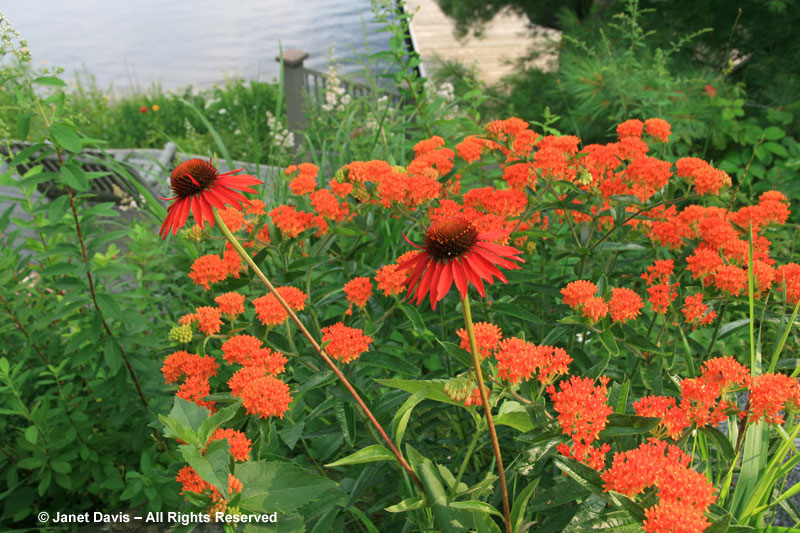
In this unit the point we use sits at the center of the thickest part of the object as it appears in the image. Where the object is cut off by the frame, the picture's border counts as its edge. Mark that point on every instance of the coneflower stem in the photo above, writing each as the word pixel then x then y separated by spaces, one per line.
pixel 249 260
pixel 476 362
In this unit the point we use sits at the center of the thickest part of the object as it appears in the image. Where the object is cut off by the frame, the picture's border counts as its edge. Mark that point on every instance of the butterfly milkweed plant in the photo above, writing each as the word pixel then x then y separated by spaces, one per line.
pixel 514 331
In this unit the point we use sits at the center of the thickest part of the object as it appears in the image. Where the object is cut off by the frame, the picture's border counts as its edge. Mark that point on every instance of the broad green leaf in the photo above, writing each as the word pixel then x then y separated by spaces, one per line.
pixel 214 421
pixel 774 133
pixel 109 307
pixel 65 137
pixel 76 180
pixel 270 486
pixel 515 415
pixel 211 466
pixel 188 413
pixel 372 453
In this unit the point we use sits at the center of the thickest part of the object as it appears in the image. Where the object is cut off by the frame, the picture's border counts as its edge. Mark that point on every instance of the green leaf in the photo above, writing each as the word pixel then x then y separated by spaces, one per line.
pixel 65 137
pixel 520 503
pixel 434 388
pixel 212 466
pixel 514 415
pixel 214 421
pixel 61 467
pixel 516 311
pixel 475 506
pixel 619 247
pixel 188 413
pixel 777 149
pixel 409 504
pixel 32 434
pixel 50 81
pixel 403 415
pixel 109 307
pixel 774 133
pixel 370 454
pixel 346 422
pixel 270 486
pixel 57 208
pixel 23 127
pixel 621 424
pixel 112 354
pixel 721 440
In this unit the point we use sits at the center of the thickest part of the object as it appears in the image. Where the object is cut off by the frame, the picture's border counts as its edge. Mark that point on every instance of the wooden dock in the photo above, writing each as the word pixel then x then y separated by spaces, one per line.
pixel 505 39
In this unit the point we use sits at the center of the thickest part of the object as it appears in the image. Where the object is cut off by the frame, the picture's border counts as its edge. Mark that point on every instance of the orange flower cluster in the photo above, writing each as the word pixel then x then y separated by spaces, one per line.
pixel 209 319
pixel 772 393
pixel 247 350
pixel 580 296
pixel 659 290
pixel 208 269
pixel 305 181
pixel 582 414
pixel 696 312
pixel 327 206
pixel 518 359
pixel 290 221
pixel 262 394
pixel 701 403
pixel 358 291
pixel 684 494
pixel 231 304
pixel 269 310
pixel 188 364
pixel 239 443
pixel 705 178
pixel 232 217
pixel 624 304
pixel 344 344
pixel 390 280
pixel 487 337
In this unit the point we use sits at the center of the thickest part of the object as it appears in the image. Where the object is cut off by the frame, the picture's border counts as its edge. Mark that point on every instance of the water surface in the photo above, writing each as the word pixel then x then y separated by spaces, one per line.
pixel 131 44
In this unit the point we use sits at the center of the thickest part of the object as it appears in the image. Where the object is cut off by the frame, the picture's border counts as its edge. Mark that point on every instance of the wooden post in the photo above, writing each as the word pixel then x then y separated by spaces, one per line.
pixel 294 88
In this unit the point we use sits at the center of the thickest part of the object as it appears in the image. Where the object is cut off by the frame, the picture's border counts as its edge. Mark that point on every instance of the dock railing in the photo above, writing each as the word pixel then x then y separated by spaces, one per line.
pixel 304 90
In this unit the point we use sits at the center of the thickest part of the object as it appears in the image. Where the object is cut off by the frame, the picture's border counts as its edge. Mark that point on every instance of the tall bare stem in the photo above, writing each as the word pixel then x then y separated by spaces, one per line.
pixel 487 409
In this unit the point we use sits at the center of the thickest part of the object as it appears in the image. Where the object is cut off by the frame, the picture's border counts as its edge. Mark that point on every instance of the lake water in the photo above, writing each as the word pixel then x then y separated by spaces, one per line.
pixel 131 44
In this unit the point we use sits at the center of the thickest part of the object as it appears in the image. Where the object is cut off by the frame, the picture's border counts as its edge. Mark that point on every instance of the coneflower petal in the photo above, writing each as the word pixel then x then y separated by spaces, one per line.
pixel 460 277
pixel 501 250
pixel 495 260
pixel 425 284
pixel 473 277
pixel 415 275
pixel 437 273
pixel 445 279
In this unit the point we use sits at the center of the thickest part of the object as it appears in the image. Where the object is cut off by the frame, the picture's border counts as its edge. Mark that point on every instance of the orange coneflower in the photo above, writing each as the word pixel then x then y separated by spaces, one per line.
pixel 198 188
pixel 454 250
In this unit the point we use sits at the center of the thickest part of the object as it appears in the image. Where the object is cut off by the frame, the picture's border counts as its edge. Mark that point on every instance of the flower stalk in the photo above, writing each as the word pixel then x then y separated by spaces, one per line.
pixel 246 257
pixel 487 409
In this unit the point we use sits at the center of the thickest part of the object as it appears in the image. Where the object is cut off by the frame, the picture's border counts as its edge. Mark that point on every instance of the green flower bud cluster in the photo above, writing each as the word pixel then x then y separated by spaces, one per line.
pixel 180 334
